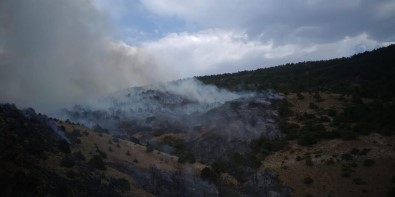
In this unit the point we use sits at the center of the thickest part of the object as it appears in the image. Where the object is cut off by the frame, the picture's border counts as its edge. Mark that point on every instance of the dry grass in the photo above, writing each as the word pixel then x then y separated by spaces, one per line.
pixel 121 151
pixel 327 176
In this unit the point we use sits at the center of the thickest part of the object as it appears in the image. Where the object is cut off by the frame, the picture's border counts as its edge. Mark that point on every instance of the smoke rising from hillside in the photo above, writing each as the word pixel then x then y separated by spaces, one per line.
pixel 57 53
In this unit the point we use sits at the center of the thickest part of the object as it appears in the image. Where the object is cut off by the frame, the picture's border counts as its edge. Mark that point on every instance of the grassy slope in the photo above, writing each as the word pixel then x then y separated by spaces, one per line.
pixel 137 155
pixel 327 176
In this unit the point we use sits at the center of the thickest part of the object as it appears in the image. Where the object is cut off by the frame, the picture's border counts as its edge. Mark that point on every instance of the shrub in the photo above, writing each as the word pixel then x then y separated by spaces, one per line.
pixel 358 181
pixel 309 162
pixel 308 181
pixel 67 162
pixel 346 157
pixel 298 158
pixel 349 135
pixel 332 112
pixel 364 151
pixel 70 174
pixel 102 154
pixel 330 162
pixel 325 119
pixel 149 148
pixel 368 162
pixel 208 174
pixel 100 130
pixel 62 128
pixel 354 151
pixel 63 146
pixel 186 157
pixel 97 162
pixel 218 167
pixel 79 156
pixel 313 106
pixel 300 96
pixel 121 184
pixel 76 133
pixel 77 141
pixel 307 139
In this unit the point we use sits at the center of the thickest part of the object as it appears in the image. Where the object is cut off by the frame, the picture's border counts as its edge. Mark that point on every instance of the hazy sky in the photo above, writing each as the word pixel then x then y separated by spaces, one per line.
pixel 55 53
pixel 213 36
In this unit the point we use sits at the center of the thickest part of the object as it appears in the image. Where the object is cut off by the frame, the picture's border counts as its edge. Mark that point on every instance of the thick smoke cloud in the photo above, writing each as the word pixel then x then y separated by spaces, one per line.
pixel 57 53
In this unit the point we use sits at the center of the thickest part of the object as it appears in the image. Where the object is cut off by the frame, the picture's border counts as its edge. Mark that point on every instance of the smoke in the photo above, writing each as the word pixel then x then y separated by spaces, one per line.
pixel 57 53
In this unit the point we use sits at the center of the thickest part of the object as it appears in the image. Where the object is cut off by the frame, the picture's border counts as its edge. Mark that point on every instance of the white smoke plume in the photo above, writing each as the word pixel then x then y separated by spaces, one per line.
pixel 57 53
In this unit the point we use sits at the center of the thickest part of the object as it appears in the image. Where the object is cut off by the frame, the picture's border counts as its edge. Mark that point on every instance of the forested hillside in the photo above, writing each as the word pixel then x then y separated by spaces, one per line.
pixel 369 74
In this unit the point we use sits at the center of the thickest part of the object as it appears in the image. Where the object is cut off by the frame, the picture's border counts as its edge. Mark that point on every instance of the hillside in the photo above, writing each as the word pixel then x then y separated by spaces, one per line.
pixel 322 128
pixel 369 74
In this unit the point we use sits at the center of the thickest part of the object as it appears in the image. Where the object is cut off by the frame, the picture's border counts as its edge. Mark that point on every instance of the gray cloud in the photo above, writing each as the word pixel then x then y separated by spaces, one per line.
pixel 299 21
pixel 56 53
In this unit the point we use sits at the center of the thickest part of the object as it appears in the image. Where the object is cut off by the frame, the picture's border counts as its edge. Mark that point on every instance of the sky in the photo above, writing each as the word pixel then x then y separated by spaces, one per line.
pixel 200 37
pixel 55 53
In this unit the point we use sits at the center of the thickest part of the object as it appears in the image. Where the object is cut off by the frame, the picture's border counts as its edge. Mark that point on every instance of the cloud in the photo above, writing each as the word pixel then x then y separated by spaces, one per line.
pixel 282 22
pixel 56 53
pixel 217 51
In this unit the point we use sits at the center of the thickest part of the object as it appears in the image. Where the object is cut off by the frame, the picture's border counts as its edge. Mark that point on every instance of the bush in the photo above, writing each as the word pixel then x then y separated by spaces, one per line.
pixel 79 156
pixel 208 174
pixel 67 162
pixel 102 154
pixel 358 181
pixel 298 158
pixel 300 96
pixel 70 174
pixel 218 167
pixel 97 162
pixel 62 128
pixel 325 119
pixel 63 146
pixel 313 106
pixel 100 130
pixel 120 184
pixel 307 139
pixel 364 151
pixel 308 181
pixel 346 157
pixel 349 135
pixel 368 162
pixel 332 112
pixel 309 162
pixel 76 133
pixel 186 157
pixel 354 151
